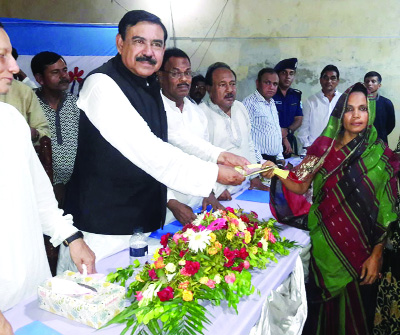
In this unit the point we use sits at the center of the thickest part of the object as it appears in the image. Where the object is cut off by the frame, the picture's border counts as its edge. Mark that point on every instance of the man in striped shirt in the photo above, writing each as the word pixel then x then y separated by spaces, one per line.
pixel 265 128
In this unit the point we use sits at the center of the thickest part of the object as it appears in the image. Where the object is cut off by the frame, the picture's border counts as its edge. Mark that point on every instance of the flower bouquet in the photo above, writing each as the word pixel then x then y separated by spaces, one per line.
pixel 208 260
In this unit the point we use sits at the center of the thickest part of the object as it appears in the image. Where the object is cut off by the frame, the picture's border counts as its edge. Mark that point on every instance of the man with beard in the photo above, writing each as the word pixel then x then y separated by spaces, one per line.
pixel 175 76
pixel 264 119
pixel 319 106
pixel 228 122
pixel 62 113
pixel 124 163
pixel 385 120
pixel 288 104
pixel 198 89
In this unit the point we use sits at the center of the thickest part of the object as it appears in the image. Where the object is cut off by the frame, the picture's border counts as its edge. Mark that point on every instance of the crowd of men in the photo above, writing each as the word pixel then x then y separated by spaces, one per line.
pixel 126 154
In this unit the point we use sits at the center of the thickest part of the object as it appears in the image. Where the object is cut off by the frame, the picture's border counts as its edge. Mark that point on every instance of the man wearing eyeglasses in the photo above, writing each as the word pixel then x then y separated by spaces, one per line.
pixel 124 163
pixel 228 122
pixel 187 126
pixel 318 107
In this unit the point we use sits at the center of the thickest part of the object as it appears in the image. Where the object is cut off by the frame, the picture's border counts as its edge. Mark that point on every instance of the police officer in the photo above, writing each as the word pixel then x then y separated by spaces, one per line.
pixel 288 104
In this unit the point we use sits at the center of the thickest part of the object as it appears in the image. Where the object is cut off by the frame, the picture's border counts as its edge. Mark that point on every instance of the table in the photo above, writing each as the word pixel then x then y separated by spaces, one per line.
pixel 224 320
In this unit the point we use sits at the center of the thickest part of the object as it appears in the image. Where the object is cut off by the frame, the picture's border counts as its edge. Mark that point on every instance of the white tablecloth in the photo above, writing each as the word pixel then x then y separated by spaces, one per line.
pixel 224 320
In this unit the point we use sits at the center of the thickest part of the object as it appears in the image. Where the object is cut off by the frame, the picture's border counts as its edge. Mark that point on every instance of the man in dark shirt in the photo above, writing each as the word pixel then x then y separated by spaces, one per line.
pixel 384 110
pixel 288 104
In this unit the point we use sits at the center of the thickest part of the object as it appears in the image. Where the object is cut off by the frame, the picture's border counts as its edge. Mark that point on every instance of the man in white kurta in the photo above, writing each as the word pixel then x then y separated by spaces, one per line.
pixel 28 208
pixel 318 107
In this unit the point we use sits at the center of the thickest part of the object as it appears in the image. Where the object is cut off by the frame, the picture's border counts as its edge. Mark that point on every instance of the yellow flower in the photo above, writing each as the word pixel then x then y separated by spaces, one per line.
pixel 247 237
pixel 139 279
pixel 231 215
pixel 266 234
pixel 212 251
pixel 187 295
pixel 233 228
pixel 156 255
pixel 229 235
pixel 213 237
pixel 254 250
pixel 203 280
pixel 218 245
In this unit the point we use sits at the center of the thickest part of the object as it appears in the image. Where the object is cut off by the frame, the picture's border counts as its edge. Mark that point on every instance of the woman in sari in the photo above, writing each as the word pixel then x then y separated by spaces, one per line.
pixel 353 179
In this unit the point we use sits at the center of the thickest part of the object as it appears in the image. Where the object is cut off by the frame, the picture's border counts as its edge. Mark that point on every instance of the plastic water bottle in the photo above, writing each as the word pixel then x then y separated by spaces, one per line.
pixel 138 247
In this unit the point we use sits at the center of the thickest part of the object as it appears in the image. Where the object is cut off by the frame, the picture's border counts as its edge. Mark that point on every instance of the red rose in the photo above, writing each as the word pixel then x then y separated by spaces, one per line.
pixel 229 254
pixel 190 226
pixel 259 244
pixel 243 254
pixel 190 268
pixel 164 239
pixel 166 294
pixel 229 263
pixel 251 230
pixel 244 218
pixel 152 274
pixel 238 268
pixel 230 209
pixel 183 253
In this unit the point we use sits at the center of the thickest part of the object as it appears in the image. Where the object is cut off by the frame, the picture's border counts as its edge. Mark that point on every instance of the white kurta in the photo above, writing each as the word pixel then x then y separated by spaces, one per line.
pixel 193 124
pixel 316 112
pixel 232 134
pixel 27 210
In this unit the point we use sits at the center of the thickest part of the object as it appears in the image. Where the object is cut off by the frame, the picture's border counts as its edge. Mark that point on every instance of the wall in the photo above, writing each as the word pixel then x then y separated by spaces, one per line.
pixel 355 35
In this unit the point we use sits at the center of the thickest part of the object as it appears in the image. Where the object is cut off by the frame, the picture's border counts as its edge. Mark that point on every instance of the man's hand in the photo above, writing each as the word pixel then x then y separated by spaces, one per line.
pixel 225 196
pixel 5 327
pixel 82 254
pixel 229 176
pixel 288 147
pixel 270 173
pixel 281 162
pixel 183 213
pixel 212 200
pixel 227 158
pixel 34 134
pixel 256 184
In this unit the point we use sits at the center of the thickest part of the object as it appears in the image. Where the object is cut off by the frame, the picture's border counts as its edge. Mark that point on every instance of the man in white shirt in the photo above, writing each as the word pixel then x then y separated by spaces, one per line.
pixel 175 77
pixel 265 129
pixel 228 122
pixel 124 163
pixel 28 208
pixel 318 107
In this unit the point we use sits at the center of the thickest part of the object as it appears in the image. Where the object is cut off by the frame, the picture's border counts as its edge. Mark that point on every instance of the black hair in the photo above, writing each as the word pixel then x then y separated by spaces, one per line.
pixel 330 67
pixel 41 60
pixel 212 68
pixel 373 74
pixel 359 87
pixel 198 78
pixel 265 70
pixel 133 17
pixel 173 52
pixel 1 25
pixel 14 53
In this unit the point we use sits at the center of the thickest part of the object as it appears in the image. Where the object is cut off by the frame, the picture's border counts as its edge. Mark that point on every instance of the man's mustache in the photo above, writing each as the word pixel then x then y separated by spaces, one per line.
pixel 229 95
pixel 183 84
pixel 64 81
pixel 150 60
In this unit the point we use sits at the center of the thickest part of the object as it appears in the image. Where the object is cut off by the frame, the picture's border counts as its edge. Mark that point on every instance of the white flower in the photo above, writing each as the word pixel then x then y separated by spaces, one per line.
pixel 188 233
pixel 170 277
pixel 170 267
pixel 199 241
pixel 182 262
pixel 242 226
pixel 199 218
pixel 149 293
pixel 264 244
pixel 217 279
pixel 217 214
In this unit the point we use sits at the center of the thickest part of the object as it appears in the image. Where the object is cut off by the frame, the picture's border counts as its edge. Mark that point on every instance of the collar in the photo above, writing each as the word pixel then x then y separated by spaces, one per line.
pixel 260 98
pixel 217 109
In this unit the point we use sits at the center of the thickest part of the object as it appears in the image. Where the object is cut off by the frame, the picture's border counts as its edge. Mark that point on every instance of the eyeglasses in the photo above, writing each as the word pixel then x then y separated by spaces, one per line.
pixel 327 78
pixel 178 74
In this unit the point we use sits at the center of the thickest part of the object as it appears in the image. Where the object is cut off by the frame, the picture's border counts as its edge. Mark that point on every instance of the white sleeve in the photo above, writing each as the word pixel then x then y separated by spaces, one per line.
pixel 120 124
pixel 29 82
pixel 303 133
pixel 180 136
pixel 54 224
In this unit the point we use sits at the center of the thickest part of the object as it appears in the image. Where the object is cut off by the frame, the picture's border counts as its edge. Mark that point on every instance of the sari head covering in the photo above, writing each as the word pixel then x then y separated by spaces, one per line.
pixel 354 192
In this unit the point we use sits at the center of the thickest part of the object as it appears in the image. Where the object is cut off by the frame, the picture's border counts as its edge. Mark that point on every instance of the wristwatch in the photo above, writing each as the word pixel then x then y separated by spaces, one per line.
pixel 72 238
pixel 290 131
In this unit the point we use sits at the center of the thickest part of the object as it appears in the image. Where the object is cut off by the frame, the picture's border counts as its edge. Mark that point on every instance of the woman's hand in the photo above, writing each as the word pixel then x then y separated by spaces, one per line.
pixel 372 266
pixel 270 173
